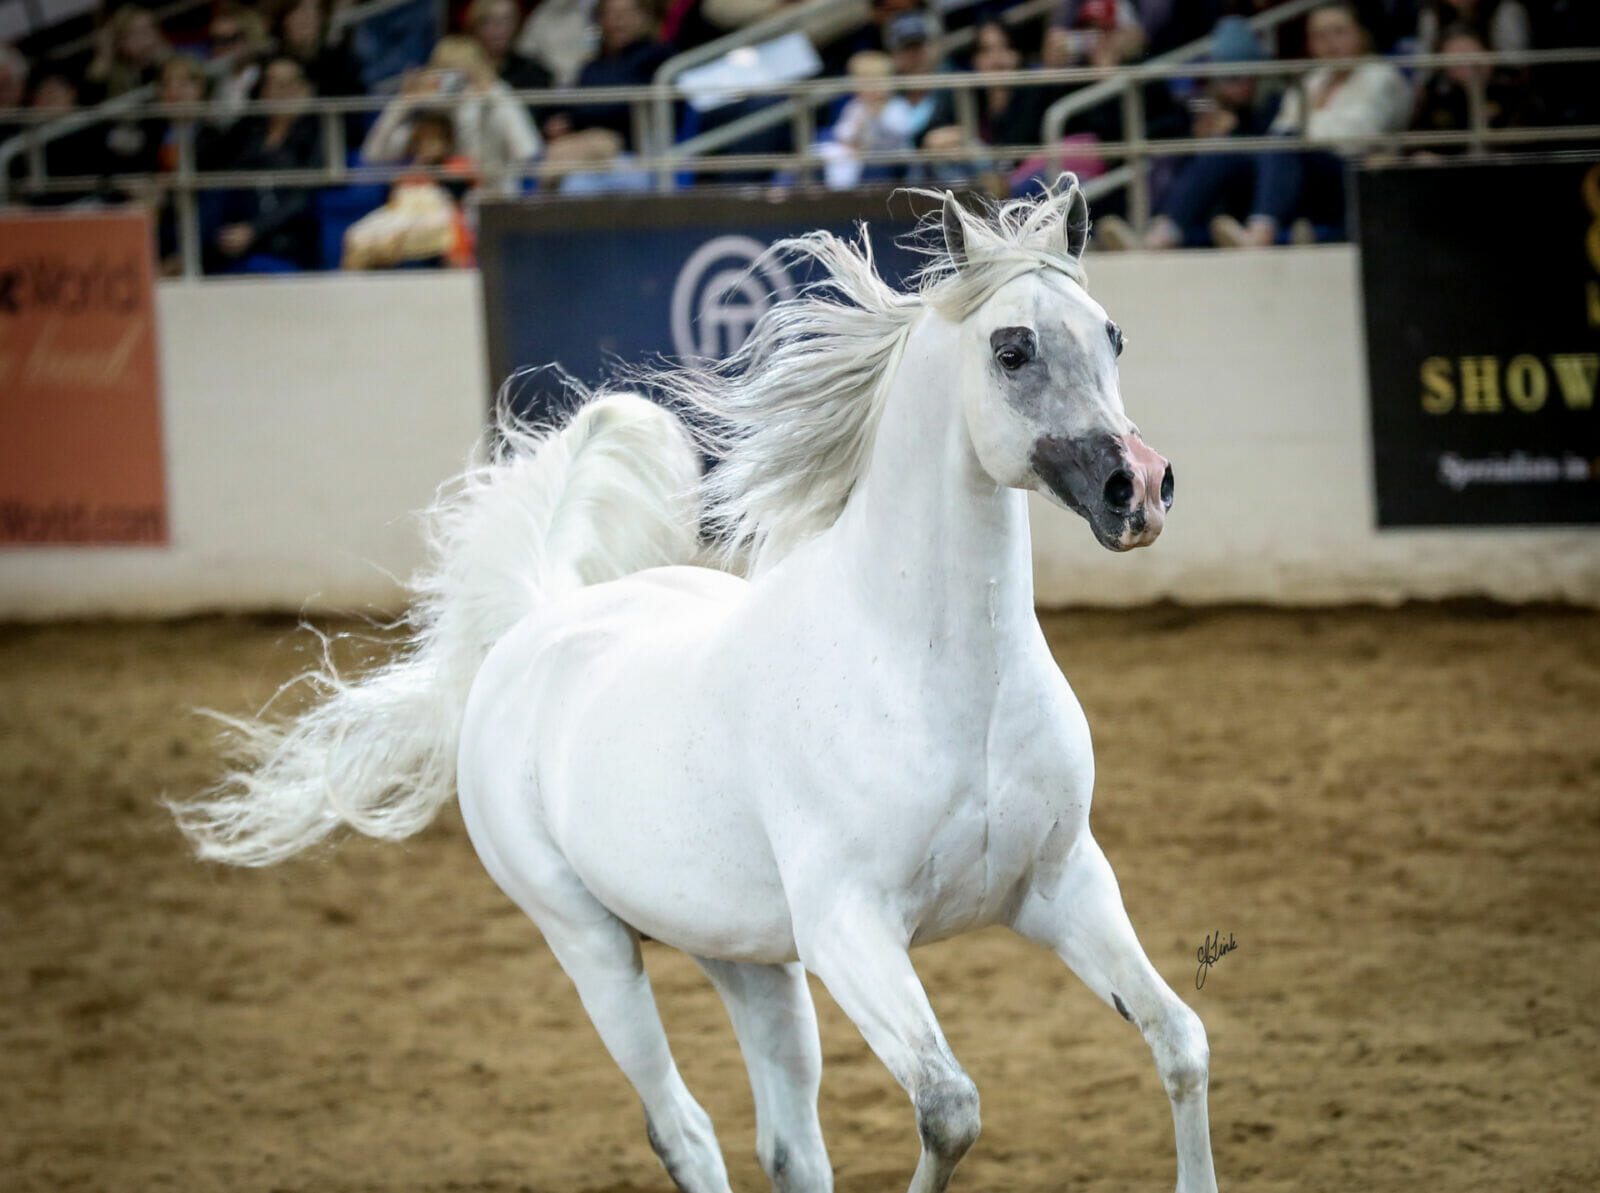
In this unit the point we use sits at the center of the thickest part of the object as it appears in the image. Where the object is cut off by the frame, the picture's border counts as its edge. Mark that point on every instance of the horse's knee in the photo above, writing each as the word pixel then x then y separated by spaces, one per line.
pixel 947 1115
pixel 795 1167
pixel 1182 1054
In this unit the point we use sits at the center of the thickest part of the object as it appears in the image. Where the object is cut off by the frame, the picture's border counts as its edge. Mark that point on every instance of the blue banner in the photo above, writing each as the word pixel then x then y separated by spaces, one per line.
pixel 594 285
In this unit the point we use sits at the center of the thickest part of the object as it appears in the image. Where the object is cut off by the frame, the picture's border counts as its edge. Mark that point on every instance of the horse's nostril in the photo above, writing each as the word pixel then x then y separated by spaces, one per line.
pixel 1166 488
pixel 1119 491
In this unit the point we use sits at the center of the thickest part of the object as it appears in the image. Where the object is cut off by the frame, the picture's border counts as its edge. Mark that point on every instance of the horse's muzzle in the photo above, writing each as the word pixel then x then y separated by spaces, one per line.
pixel 1122 488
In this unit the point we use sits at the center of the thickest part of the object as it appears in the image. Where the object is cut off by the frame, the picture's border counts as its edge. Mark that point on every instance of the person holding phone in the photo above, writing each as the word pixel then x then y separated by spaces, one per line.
pixel 492 130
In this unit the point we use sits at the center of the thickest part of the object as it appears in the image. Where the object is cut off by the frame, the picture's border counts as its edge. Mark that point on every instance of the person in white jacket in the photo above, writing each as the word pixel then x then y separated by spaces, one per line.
pixel 1344 109
pixel 492 129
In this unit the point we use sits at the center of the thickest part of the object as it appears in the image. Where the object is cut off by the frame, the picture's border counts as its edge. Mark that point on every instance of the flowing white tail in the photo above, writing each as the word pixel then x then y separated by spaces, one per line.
pixel 612 492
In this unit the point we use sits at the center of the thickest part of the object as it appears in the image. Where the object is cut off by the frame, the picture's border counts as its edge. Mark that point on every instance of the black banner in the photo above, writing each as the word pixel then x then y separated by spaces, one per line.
pixel 1482 289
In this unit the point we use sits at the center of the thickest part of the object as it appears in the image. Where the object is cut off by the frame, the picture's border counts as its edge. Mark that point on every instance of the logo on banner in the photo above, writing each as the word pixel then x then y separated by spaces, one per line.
pixel 722 289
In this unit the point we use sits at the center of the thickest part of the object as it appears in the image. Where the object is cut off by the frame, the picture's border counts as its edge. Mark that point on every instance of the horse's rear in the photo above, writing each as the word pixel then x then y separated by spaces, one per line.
pixel 595 753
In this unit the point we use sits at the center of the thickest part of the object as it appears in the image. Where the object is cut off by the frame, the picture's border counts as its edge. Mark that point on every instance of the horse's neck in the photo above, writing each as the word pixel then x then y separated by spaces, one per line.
pixel 927 536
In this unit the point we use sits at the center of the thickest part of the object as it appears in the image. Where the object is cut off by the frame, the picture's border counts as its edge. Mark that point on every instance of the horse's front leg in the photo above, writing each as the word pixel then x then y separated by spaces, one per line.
pixel 1078 912
pixel 863 961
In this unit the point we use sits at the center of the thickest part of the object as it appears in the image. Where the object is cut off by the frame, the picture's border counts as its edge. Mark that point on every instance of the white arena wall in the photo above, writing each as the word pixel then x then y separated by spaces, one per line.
pixel 306 417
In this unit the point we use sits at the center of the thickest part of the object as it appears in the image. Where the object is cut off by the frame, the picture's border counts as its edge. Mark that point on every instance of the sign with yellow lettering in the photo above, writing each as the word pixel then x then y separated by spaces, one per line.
pixel 1482 288
pixel 80 400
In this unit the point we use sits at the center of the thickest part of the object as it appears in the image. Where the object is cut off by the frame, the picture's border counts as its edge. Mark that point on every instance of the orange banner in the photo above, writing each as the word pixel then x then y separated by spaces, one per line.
pixel 80 395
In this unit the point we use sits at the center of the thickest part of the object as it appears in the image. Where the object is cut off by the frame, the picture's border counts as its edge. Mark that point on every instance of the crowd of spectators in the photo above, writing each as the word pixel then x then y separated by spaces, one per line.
pixel 458 119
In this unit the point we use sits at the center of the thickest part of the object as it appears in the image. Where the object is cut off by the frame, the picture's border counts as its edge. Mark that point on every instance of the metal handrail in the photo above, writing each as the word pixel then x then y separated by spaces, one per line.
pixel 739 163
pixel 806 16
pixel 835 85
pixel 1068 106
pixel 187 181
pixel 800 109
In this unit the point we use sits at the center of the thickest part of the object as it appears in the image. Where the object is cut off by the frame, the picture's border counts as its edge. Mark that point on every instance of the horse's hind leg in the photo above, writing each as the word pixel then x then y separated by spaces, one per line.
pixel 770 1006
pixel 1079 914
pixel 601 956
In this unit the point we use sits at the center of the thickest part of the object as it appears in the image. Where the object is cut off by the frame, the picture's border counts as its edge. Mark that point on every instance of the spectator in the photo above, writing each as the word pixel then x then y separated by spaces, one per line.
pixel 1093 33
pixel 494 23
pixel 1345 109
pixel 1500 24
pixel 1007 114
pixel 1208 184
pixel 873 121
pixel 13 90
pixel 271 227
pixel 559 35
pixel 422 222
pixel 54 93
pixel 129 51
pixel 492 130
pixel 911 48
pixel 239 43
pixel 183 81
pixel 1445 104
pixel 1106 34
pixel 629 55
pixel 302 31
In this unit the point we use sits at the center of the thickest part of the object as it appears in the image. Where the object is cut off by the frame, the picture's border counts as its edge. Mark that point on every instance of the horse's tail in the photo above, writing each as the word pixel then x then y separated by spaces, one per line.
pixel 613 492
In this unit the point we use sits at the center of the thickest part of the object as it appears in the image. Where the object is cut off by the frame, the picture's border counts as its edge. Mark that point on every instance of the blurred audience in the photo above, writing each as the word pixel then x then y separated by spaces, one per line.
pixel 53 92
pixel 270 226
pixel 422 222
pixel 492 130
pixel 129 51
pixel 873 121
pixel 494 24
pixel 1498 24
pixel 1231 198
pixel 1093 33
pixel 330 65
pixel 1107 34
pixel 1345 110
pixel 912 51
pixel 238 43
pixel 1207 185
pixel 1445 103
pixel 591 135
pixel 13 89
pixel 560 36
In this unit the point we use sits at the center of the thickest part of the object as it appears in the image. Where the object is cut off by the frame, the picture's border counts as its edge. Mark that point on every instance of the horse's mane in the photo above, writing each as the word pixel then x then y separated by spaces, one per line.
pixel 793 413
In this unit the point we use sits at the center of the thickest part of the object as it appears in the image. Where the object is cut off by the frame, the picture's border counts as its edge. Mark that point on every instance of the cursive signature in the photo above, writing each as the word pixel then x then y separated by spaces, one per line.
pixel 1209 953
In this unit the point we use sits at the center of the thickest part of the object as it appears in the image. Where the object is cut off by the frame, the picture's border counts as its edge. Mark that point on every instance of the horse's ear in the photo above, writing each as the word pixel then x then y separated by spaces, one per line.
pixel 1076 223
pixel 955 232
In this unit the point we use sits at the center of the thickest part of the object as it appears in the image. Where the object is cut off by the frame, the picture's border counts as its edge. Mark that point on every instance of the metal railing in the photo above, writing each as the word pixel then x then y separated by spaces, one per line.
pixel 795 111
pixel 1135 175
pixel 1134 152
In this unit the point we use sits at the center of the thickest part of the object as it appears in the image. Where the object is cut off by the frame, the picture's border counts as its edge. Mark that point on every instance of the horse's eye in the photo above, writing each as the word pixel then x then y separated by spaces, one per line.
pixel 1114 334
pixel 1013 347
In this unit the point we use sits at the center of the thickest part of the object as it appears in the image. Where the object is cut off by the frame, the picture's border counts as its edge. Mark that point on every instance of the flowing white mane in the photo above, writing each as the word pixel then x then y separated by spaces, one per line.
pixel 793 413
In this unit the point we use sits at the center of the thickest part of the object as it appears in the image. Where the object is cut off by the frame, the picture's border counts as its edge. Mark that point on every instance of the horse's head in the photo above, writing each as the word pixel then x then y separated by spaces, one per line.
pixel 1039 379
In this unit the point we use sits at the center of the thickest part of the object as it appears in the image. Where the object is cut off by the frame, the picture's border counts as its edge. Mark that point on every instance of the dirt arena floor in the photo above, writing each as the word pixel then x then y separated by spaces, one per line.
pixel 1395 814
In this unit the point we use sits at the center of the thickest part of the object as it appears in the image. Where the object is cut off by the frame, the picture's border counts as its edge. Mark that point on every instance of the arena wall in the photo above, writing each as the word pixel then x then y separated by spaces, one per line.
pixel 306 416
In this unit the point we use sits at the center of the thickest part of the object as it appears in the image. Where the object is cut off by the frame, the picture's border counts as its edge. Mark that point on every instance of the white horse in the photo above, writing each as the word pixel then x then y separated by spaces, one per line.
pixel 860 745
